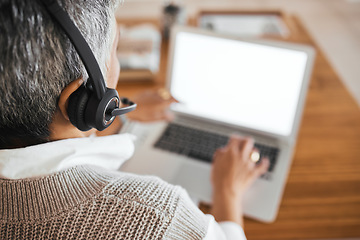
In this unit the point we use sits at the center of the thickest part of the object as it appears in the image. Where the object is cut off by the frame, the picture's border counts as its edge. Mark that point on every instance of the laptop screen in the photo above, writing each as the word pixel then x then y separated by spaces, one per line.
pixel 240 83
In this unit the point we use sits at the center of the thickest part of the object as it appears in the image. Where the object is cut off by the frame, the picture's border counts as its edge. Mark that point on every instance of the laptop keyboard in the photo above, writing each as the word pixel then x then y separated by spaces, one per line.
pixel 201 145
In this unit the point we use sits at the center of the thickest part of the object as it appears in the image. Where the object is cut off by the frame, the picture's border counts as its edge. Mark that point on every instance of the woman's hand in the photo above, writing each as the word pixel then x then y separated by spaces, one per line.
pixel 152 105
pixel 232 174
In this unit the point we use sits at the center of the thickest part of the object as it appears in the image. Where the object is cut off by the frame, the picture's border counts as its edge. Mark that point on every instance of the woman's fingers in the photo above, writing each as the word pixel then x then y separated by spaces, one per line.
pixel 261 168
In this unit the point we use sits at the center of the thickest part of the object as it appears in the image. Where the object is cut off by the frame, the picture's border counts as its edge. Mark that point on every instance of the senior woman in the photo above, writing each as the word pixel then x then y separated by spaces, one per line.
pixel 59 182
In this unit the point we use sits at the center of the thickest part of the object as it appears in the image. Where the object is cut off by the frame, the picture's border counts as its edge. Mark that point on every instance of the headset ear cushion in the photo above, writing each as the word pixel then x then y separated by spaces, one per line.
pixel 76 108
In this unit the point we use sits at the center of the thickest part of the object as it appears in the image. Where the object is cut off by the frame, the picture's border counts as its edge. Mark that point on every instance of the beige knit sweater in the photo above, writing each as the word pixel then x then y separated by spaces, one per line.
pixel 87 203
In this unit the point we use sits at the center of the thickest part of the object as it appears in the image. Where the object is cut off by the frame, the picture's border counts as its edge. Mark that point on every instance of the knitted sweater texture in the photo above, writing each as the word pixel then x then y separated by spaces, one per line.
pixel 84 202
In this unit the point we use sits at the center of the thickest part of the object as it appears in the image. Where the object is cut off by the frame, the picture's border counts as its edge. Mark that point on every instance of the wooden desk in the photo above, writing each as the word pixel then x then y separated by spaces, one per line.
pixel 322 194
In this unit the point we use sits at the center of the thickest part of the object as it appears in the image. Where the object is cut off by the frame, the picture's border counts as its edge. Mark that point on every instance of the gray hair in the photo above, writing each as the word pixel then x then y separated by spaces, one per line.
pixel 37 61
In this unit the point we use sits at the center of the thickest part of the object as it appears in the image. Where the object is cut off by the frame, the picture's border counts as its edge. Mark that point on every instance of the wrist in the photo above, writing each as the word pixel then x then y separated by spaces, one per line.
pixel 227 195
pixel 227 205
pixel 231 210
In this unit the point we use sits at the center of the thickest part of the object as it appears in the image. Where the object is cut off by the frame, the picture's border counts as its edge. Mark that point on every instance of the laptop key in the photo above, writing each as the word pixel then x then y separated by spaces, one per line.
pixel 201 145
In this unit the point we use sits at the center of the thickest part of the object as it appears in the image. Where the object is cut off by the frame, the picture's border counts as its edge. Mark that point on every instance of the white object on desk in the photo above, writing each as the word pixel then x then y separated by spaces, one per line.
pixel 139 50
pixel 245 24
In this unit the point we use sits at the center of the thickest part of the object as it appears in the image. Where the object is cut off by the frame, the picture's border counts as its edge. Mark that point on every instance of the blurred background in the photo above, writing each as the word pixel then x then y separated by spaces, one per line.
pixel 321 199
pixel 333 24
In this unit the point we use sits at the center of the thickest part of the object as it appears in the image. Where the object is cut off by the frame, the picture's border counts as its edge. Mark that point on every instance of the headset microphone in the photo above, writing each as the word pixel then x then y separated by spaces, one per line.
pixel 121 111
pixel 92 105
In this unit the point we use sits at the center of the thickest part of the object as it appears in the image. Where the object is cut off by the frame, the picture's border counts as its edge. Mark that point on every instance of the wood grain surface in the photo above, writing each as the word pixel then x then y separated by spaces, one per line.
pixel 322 194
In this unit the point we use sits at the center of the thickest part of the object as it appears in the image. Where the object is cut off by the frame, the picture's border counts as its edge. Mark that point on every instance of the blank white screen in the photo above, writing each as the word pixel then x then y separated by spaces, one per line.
pixel 240 83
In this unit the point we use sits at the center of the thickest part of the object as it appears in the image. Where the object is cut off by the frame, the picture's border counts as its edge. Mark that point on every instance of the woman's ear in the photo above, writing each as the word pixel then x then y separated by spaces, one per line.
pixel 65 95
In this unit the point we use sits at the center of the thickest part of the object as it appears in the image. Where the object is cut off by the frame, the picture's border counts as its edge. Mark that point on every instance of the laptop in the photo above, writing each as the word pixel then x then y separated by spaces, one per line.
pixel 226 85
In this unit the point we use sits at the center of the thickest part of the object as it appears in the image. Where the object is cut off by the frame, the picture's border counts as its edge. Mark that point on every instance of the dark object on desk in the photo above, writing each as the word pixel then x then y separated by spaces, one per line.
pixel 173 14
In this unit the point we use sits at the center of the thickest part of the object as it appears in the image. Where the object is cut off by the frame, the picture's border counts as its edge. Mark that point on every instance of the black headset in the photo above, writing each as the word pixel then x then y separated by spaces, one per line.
pixel 92 105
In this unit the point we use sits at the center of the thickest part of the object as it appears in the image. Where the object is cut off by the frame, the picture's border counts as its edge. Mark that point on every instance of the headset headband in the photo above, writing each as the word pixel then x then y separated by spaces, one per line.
pixel 93 105
pixel 92 67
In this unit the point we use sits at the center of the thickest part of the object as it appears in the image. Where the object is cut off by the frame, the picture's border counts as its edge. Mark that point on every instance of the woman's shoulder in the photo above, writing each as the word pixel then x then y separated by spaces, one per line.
pixel 169 203
pixel 148 190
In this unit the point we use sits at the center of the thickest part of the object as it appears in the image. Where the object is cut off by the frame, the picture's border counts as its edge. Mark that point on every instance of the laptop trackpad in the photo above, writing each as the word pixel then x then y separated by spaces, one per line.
pixel 196 179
